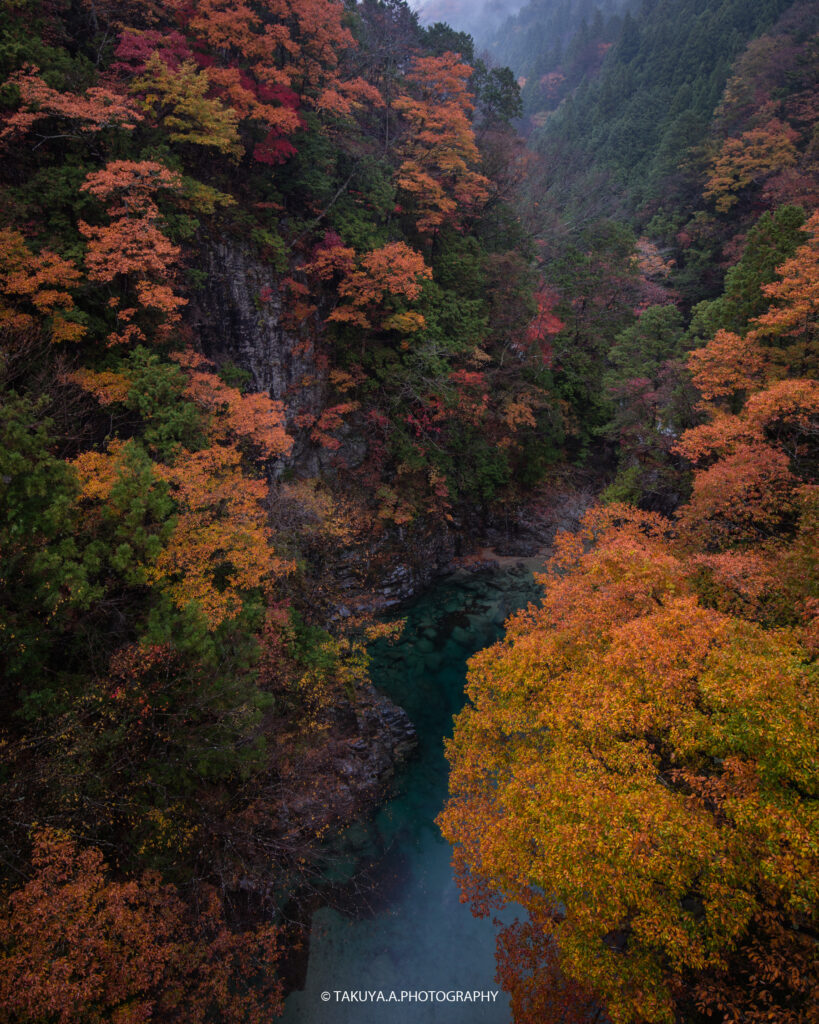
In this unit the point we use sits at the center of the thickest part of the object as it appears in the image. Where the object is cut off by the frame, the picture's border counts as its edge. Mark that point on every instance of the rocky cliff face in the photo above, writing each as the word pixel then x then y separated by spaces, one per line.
pixel 365 742
pixel 308 833
pixel 388 569
pixel 237 316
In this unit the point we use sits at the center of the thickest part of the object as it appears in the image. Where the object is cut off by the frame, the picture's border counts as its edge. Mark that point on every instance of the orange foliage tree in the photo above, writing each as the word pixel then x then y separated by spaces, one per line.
pixel 97 109
pixel 439 154
pixel 370 285
pixel 790 328
pixel 748 496
pixel 35 290
pixel 266 53
pixel 752 156
pixel 220 545
pixel 627 772
pixel 132 249
pixel 254 418
pixel 726 368
pixel 79 948
pixel 759 441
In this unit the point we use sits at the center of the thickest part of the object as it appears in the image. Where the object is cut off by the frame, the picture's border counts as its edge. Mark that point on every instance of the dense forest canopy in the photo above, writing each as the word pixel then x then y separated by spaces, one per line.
pixel 664 71
pixel 638 766
pixel 170 674
pixel 453 319
pixel 545 38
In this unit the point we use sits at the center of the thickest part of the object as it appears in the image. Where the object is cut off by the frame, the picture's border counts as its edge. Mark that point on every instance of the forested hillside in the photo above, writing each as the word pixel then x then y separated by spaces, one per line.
pixel 655 94
pixel 251 263
pixel 639 764
pixel 554 46
pixel 287 304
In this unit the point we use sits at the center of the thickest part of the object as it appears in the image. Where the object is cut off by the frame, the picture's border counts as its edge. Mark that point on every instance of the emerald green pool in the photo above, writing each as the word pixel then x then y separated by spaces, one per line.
pixel 403 928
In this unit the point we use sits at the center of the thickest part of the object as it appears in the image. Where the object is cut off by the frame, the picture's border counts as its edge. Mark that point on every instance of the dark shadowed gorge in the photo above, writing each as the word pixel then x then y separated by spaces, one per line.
pixel 359 374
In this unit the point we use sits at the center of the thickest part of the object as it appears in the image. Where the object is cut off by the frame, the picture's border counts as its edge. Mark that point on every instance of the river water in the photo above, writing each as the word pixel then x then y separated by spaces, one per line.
pixel 402 927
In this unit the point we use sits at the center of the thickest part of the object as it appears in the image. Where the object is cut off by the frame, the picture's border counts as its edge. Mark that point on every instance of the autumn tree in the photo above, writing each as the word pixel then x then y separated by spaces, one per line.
pixel 132 249
pixel 177 99
pixel 726 369
pixel 439 155
pixel 287 48
pixel 759 436
pixel 95 110
pixel 626 772
pixel 789 327
pixel 219 546
pixel 36 290
pixel 765 120
pixel 749 158
pixel 79 947
pixel 235 416
pixel 370 286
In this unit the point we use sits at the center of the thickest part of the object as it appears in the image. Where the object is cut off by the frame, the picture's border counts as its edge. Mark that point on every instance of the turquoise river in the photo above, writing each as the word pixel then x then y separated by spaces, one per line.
pixel 409 931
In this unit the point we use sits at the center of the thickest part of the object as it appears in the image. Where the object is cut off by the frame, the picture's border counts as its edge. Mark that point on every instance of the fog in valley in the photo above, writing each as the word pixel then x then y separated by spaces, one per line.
pixel 478 18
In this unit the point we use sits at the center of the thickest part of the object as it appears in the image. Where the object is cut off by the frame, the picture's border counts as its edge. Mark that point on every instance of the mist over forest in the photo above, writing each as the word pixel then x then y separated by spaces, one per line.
pixel 481 20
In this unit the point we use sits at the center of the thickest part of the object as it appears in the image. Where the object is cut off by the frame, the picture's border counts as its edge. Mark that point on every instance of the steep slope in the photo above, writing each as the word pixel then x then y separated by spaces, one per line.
pixel 652 101
pixel 251 336
pixel 638 766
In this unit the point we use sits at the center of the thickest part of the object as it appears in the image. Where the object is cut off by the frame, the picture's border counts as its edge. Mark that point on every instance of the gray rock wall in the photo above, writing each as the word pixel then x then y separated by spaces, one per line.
pixel 237 316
